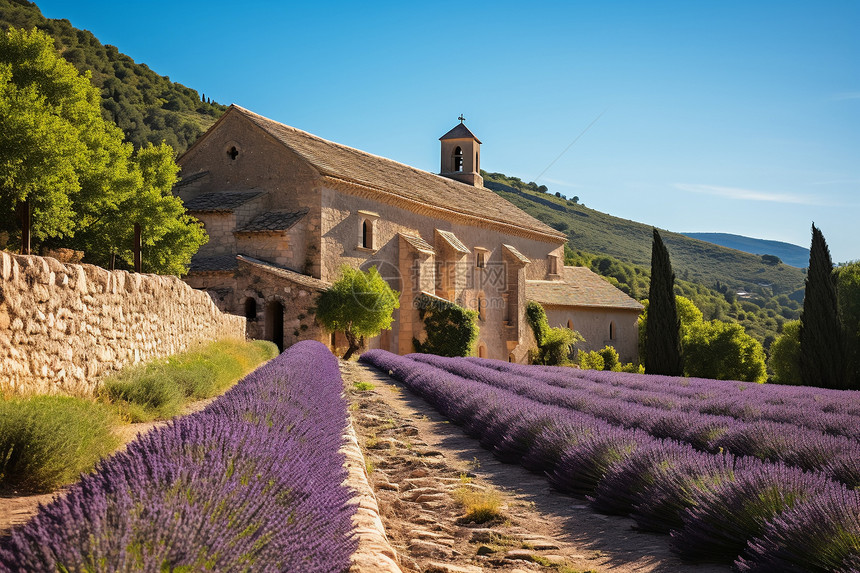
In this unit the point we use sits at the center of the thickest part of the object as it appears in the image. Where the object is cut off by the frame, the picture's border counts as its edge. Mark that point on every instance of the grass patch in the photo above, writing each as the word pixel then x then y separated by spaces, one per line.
pixel 560 567
pixel 480 506
pixel 48 441
pixel 158 390
pixel 363 386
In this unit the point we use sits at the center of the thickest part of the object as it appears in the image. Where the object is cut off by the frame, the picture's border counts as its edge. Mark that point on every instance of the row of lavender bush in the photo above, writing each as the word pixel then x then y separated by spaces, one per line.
pixel 829 411
pixel 718 507
pixel 837 456
pixel 251 483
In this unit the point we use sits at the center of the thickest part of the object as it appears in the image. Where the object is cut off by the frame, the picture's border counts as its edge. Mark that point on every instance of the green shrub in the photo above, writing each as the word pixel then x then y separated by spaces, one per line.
pixel 610 358
pixel 554 345
pixel 451 329
pixel 149 389
pixel 47 441
pixel 590 360
pixel 158 389
pixel 606 359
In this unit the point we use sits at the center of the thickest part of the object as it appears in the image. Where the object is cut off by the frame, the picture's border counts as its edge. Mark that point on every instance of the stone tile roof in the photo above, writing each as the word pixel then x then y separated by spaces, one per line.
pixel 460 131
pixel 190 179
pixel 292 276
pixel 273 221
pixel 224 201
pixel 580 287
pixel 418 243
pixel 453 241
pixel 517 255
pixel 214 263
pixel 389 177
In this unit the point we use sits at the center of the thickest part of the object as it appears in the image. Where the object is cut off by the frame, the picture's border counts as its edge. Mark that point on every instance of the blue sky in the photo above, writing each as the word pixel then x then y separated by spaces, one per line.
pixel 724 116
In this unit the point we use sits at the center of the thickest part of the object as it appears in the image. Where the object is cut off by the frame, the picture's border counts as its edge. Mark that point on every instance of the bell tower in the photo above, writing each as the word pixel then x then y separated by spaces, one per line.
pixel 461 155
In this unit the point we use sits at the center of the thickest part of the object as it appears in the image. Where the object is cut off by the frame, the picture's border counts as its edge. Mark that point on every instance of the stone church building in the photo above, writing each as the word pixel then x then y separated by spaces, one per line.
pixel 285 209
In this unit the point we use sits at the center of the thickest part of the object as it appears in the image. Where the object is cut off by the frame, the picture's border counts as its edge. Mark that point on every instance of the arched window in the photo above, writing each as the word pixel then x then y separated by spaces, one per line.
pixel 458 159
pixel 511 357
pixel 611 331
pixel 251 308
pixel 366 234
pixel 477 166
pixel 482 307
pixel 482 350
pixel 570 324
pixel 367 229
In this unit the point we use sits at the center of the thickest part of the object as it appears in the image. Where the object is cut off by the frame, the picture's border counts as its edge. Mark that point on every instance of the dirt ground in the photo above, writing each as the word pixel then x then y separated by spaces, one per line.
pixel 418 460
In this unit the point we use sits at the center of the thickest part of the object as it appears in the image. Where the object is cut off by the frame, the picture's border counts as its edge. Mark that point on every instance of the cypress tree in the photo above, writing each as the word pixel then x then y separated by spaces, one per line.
pixel 822 345
pixel 663 329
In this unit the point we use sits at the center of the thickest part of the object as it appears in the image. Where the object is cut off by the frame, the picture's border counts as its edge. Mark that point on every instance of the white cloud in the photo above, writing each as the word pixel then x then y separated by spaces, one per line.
pixel 748 194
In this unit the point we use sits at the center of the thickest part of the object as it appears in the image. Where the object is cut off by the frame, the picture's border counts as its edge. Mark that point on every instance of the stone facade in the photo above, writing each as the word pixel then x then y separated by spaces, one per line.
pixel 601 327
pixel 340 206
pixel 63 327
pixel 278 304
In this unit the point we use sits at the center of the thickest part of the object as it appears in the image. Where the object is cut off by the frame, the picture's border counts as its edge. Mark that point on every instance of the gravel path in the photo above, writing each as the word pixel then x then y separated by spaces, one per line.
pixel 418 459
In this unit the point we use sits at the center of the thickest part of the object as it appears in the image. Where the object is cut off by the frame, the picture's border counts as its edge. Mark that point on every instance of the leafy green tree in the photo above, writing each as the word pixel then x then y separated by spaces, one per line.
pixel 146 106
pixel 848 292
pixel 451 329
pixel 784 358
pixel 822 344
pixel 169 235
pixel 69 170
pixel 359 304
pixel 688 313
pixel 52 135
pixel 723 351
pixel 662 335
pixel 554 345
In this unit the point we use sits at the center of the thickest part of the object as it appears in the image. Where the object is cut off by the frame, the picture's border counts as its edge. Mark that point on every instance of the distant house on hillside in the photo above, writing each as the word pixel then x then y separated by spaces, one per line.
pixel 284 210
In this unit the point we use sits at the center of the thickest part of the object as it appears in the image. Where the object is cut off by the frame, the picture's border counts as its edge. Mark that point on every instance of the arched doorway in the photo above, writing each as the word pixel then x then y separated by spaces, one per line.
pixel 275 323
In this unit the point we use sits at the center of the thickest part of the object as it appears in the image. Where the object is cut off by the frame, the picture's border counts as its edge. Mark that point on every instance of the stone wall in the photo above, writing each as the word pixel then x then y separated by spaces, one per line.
pixel 63 327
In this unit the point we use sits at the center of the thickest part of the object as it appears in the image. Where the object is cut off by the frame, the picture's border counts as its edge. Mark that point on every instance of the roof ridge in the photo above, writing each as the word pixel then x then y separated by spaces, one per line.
pixel 347 147
pixel 375 172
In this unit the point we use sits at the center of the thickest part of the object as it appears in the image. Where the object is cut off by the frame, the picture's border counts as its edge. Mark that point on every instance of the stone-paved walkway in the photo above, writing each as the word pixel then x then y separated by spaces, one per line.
pixel 418 460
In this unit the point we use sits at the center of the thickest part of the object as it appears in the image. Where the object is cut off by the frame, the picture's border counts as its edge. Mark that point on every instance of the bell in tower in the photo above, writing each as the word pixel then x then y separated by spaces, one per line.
pixel 461 155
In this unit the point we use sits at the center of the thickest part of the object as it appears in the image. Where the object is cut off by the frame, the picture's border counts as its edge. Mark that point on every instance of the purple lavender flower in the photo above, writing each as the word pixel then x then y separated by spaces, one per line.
pixel 253 482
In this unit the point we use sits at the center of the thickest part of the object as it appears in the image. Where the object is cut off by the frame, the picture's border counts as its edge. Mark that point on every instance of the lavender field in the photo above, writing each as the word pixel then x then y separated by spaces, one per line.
pixel 251 483
pixel 765 477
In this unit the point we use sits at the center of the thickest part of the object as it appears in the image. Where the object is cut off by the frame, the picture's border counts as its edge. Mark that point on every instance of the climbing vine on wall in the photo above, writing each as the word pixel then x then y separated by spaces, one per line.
pixel 554 345
pixel 451 329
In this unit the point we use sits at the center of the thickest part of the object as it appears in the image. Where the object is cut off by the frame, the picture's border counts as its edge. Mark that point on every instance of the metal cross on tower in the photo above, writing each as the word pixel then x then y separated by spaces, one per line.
pixel 461 118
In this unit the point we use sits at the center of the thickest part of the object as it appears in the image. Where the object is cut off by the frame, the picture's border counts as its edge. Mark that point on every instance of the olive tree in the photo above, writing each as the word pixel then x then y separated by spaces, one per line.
pixel 359 304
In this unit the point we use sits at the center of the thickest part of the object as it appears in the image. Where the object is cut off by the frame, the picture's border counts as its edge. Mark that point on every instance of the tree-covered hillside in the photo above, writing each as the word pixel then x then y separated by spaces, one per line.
pixel 146 106
pixel 789 254
pixel 709 275
pixel 693 260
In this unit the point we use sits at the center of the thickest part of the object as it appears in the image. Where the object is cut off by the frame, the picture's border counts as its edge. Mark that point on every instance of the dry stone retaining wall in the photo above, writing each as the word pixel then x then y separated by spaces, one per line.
pixel 62 327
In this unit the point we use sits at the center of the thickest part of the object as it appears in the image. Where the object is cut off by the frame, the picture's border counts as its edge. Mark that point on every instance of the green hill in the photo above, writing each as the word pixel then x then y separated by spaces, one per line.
pixel 692 259
pixel 789 254
pixel 724 283
pixel 146 106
